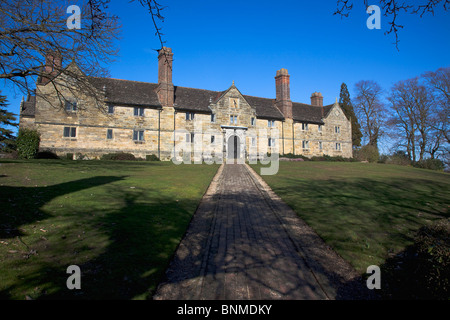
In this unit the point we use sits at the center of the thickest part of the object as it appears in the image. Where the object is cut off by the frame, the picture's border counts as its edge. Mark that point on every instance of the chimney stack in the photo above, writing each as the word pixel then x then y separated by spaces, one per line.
pixel 165 88
pixel 283 93
pixel 317 99
pixel 53 65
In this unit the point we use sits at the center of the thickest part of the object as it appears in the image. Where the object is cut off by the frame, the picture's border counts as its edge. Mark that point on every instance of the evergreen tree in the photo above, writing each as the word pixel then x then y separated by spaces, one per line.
pixel 7 140
pixel 347 107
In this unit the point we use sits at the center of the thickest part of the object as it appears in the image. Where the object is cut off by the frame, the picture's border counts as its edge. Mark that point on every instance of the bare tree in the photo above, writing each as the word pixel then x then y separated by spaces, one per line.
pixel 413 108
pixel 33 32
pixel 438 82
pixel 392 9
pixel 369 109
pixel 37 45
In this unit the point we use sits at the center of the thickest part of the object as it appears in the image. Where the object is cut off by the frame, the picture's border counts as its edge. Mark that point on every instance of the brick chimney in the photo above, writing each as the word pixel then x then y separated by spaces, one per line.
pixel 165 88
pixel 317 99
pixel 53 65
pixel 283 93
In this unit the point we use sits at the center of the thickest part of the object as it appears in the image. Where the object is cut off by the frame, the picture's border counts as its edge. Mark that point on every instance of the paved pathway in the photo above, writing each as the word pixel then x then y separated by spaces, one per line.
pixel 245 243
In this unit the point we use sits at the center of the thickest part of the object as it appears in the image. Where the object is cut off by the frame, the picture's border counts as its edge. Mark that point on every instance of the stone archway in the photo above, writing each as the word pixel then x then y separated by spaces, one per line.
pixel 234 146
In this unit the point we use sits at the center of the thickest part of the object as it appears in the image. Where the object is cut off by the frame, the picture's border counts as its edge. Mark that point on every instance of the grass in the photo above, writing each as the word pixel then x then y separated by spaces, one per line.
pixel 366 212
pixel 119 221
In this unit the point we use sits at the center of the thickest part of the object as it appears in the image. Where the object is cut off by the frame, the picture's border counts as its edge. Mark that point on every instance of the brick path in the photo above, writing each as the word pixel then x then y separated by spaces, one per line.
pixel 245 243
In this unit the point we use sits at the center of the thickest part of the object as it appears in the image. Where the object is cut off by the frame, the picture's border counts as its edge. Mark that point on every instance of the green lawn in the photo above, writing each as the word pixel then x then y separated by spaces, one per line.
pixel 119 221
pixel 366 212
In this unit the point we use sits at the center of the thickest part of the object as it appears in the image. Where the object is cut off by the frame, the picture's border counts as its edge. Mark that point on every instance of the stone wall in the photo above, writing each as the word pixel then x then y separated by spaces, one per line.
pixel 166 130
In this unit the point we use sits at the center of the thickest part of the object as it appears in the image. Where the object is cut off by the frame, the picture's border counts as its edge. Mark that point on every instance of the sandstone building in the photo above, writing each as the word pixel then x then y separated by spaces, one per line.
pixel 172 121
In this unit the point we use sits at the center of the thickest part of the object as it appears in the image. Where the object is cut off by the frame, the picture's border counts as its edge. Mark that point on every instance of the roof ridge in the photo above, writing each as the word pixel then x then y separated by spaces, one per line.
pixel 124 80
pixel 215 91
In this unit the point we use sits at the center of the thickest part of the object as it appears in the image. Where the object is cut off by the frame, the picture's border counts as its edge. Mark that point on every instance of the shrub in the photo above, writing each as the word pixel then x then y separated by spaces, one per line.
pixel 432 244
pixel 384 158
pixel 367 153
pixel 400 158
pixel 432 164
pixel 292 156
pixel 422 270
pixel 151 157
pixel 69 156
pixel 46 155
pixel 118 156
pixel 28 143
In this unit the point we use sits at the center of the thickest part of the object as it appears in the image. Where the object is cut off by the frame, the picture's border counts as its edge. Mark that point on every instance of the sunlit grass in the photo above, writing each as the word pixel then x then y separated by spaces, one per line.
pixel 119 221
pixel 366 212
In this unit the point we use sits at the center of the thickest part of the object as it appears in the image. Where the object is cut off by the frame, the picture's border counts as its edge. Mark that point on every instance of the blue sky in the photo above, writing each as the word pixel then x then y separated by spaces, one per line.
pixel 216 42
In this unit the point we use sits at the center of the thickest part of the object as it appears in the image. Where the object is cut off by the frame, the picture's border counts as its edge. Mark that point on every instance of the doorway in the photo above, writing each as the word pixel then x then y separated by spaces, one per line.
pixel 234 147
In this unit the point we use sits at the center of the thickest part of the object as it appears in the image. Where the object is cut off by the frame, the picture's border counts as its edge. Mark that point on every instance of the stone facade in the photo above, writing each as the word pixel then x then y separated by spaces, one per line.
pixel 170 121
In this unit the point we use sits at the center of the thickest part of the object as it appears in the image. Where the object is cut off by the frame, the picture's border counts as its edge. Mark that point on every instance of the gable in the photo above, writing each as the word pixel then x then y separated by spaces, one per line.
pixel 232 103
pixel 336 113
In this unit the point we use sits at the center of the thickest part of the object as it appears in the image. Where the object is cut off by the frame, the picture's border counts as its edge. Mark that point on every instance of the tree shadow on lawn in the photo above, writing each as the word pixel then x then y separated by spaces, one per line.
pixel 387 202
pixel 141 236
pixel 20 205
pixel 144 232
pixel 361 214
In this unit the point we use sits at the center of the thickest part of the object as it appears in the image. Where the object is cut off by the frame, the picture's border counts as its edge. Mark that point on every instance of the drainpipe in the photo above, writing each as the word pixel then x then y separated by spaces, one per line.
pixel 174 129
pixel 293 137
pixel 159 134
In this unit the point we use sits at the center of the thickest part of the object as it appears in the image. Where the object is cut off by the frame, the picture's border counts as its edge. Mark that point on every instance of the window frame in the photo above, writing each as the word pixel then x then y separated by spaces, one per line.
pixel 111 109
pixel 305 144
pixel 108 136
pixel 140 111
pixel 71 105
pixel 137 135
pixel 71 132
pixel 271 142
pixel 190 116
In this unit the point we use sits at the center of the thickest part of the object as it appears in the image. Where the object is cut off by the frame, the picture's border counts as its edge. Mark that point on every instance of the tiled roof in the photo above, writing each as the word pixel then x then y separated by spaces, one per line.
pixel 265 108
pixel 129 92
pixel 29 107
pixel 194 99
pixel 307 113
